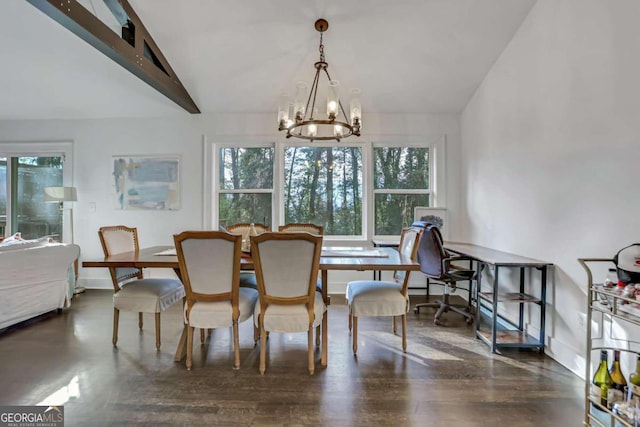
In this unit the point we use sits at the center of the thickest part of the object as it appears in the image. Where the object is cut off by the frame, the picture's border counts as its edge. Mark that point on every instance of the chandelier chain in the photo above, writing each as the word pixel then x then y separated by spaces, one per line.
pixel 321 49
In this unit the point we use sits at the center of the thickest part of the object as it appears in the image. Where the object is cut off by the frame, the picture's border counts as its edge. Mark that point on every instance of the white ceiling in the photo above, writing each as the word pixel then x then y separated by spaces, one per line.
pixel 407 56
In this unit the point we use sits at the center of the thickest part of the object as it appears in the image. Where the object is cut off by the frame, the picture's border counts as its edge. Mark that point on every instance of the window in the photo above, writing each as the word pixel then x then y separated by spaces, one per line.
pixel 400 183
pixel 353 189
pixel 245 185
pixel 323 186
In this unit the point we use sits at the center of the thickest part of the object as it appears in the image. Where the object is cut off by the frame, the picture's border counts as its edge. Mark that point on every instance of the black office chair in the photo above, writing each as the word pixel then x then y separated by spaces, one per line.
pixel 436 263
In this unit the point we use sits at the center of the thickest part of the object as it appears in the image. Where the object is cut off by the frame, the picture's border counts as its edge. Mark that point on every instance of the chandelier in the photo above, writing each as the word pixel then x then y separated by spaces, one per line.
pixel 301 118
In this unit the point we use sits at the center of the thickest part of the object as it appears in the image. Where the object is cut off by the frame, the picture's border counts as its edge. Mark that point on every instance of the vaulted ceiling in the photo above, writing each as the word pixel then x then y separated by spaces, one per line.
pixel 407 56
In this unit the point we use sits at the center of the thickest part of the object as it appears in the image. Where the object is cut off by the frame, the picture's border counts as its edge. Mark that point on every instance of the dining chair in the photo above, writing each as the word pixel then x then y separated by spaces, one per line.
pixel 132 292
pixel 367 298
pixel 294 227
pixel 247 278
pixel 286 266
pixel 242 228
pixel 210 268
pixel 438 264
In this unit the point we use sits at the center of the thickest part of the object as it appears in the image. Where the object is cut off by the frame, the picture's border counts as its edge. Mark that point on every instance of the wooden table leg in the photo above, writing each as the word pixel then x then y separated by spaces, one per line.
pixel 325 292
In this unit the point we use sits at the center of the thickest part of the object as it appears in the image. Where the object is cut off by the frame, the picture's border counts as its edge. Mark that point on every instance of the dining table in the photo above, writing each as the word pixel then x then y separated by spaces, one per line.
pixel 333 258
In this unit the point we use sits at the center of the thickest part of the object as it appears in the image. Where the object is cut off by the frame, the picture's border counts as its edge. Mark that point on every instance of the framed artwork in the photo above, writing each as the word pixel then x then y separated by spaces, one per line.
pixel 436 216
pixel 147 182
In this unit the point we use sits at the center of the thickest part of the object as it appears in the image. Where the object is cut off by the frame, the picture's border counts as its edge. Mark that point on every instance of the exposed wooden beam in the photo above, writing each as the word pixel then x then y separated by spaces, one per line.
pixel 139 53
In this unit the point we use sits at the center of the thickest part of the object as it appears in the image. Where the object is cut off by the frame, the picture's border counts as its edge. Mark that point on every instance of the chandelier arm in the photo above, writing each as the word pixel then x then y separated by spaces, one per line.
pixel 320 137
pixel 312 93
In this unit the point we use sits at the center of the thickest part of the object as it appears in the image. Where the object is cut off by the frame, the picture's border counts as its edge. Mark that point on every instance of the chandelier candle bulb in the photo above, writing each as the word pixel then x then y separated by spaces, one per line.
pixel 289 122
pixel 332 99
pixel 283 110
pixel 356 108
pixel 299 102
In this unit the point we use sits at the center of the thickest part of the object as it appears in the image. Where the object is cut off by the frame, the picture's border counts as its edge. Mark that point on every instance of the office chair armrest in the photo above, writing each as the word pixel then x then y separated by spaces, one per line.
pixel 446 262
pixel 456 273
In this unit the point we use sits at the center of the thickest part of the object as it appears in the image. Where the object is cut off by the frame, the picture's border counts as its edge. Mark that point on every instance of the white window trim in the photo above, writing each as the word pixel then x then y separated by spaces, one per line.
pixel 211 181
pixel 437 182
pixel 364 146
pixel 437 179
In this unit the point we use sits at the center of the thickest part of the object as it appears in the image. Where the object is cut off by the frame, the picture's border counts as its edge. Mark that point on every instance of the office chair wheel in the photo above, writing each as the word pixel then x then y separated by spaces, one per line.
pixel 469 321
pixel 416 310
pixel 437 322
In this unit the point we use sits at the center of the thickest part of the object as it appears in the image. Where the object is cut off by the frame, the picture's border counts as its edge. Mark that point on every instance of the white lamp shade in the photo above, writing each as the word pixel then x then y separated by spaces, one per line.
pixel 60 194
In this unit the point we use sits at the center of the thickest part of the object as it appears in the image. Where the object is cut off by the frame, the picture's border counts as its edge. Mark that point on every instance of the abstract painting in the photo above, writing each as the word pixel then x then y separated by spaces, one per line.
pixel 147 182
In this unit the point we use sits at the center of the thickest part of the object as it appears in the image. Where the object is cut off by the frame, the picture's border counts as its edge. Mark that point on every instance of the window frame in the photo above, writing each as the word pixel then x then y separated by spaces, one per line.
pixel 215 181
pixel 280 152
pixel 428 191
pixel 437 178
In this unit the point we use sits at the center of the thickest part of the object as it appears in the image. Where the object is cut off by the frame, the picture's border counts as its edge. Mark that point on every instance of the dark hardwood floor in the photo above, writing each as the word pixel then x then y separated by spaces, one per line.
pixel 446 378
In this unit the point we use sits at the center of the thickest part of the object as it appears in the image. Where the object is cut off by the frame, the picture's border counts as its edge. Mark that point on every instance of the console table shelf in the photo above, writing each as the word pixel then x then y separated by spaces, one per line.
pixel 510 297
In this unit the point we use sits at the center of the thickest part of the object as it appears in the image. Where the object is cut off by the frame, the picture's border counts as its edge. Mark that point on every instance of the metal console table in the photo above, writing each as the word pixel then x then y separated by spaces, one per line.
pixel 515 335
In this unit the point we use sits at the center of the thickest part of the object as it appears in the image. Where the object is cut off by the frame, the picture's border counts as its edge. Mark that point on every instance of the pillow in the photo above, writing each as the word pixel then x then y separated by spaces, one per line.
pixel 15 238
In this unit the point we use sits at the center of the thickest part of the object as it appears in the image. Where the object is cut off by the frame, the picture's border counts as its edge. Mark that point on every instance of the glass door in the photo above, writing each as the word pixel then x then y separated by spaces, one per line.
pixel 22 205
pixel 32 216
pixel 26 168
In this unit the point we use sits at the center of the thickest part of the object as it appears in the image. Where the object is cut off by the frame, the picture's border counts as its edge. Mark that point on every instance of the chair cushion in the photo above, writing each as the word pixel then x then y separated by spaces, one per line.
pixel 291 318
pixel 151 295
pixel 218 314
pixel 248 280
pixel 376 298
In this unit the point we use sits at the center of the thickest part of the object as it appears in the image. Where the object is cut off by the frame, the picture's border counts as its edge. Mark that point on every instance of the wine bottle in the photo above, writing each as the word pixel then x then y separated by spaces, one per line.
pixel 616 393
pixel 634 387
pixel 602 381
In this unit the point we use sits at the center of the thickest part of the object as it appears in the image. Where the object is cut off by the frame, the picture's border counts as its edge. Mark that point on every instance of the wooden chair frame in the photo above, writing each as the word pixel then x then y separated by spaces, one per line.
pixel 193 297
pixel 116 279
pixel 308 299
pixel 398 277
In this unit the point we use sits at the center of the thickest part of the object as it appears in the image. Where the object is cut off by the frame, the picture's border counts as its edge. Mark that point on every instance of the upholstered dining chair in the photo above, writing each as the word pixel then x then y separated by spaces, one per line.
pixel 210 268
pixel 132 292
pixel 437 263
pixel 294 227
pixel 247 278
pixel 286 266
pixel 242 228
pixel 378 298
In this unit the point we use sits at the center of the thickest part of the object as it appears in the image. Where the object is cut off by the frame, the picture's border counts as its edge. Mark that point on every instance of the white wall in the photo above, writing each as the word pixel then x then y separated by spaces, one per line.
pixel 96 141
pixel 551 151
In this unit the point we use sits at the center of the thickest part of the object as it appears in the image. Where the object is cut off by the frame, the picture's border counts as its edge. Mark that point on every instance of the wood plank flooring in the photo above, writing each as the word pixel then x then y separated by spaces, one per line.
pixel 446 378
